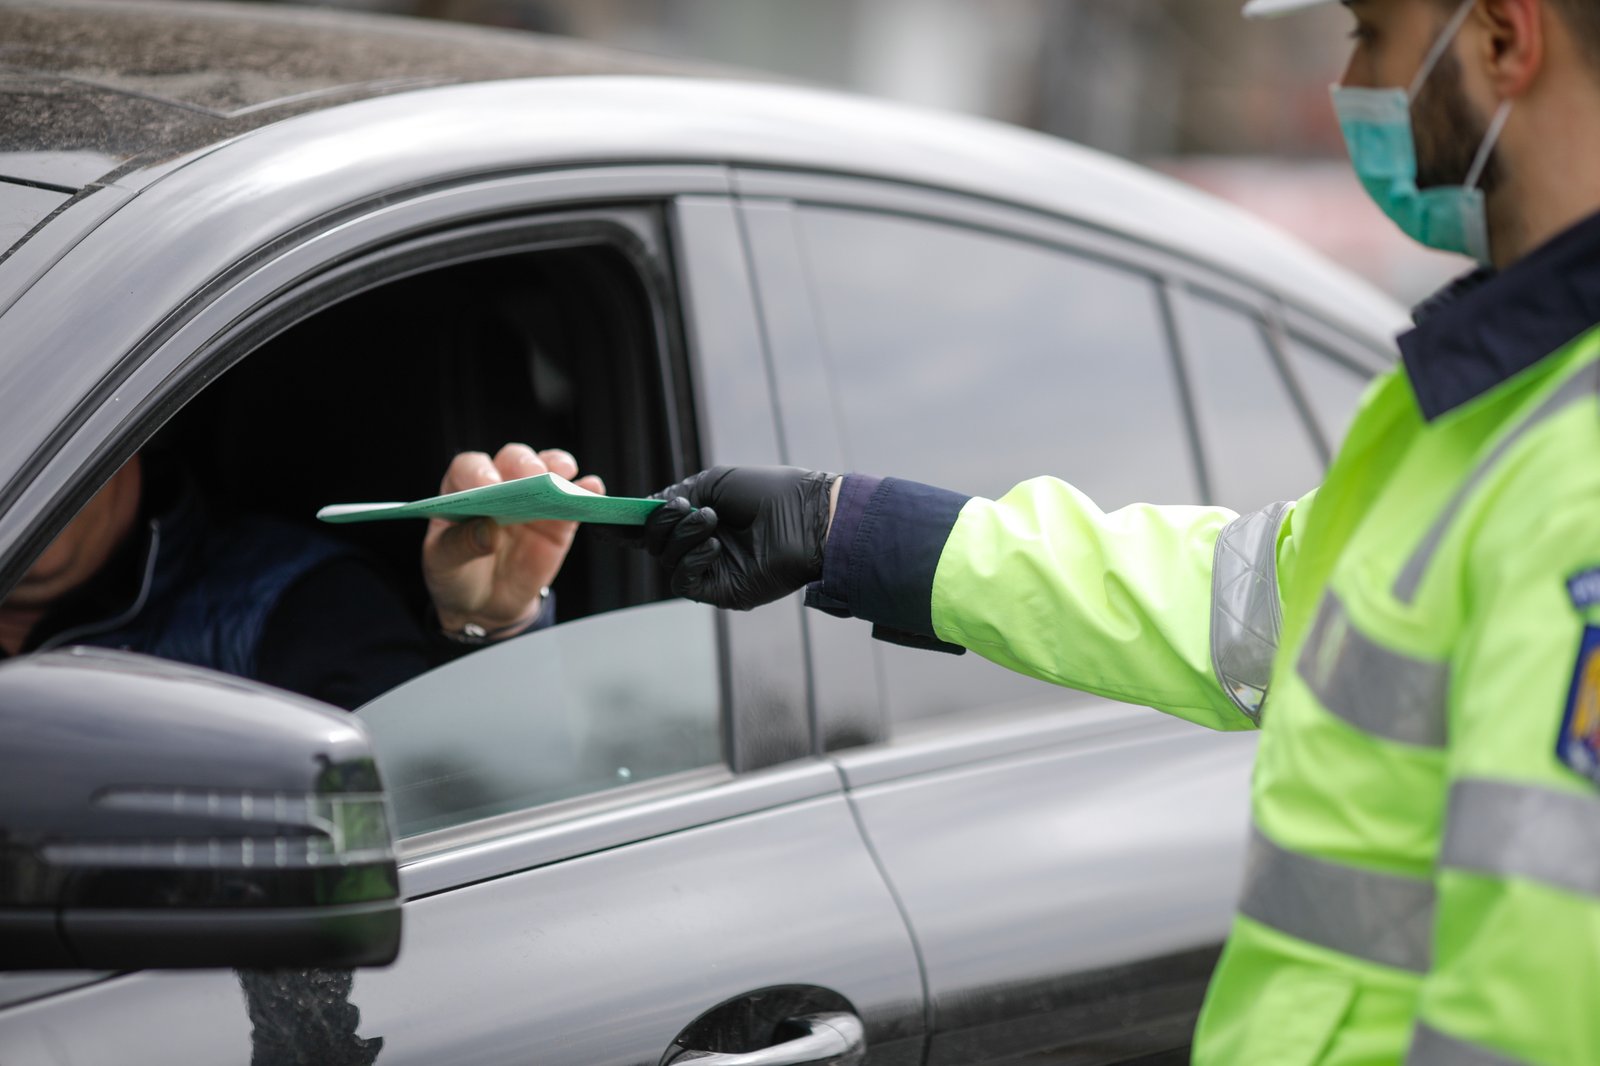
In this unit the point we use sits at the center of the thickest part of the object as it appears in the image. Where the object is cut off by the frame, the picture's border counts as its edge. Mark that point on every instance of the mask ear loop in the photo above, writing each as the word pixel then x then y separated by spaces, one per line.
pixel 1497 126
pixel 1442 45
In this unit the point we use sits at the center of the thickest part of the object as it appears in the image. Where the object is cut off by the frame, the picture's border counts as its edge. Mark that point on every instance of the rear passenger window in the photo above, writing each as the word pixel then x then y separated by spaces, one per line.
pixel 1258 447
pixel 1331 387
pixel 974 361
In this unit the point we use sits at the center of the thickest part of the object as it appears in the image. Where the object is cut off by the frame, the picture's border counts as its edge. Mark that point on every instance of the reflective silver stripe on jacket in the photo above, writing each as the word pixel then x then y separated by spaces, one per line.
pixel 1379 691
pixel 1383 918
pixel 1582 385
pixel 1509 830
pixel 1429 1047
pixel 1246 617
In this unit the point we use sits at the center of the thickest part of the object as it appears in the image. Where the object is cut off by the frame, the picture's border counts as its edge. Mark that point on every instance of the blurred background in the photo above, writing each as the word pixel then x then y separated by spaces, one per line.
pixel 1238 108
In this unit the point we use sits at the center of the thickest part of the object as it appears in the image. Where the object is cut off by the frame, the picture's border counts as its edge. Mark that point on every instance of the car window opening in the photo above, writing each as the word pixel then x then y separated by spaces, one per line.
pixel 369 399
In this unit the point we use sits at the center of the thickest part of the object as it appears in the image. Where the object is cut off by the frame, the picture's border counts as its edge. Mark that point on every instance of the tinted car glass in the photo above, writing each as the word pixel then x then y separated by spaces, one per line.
pixel 1257 447
pixel 575 709
pixel 1330 386
pixel 975 361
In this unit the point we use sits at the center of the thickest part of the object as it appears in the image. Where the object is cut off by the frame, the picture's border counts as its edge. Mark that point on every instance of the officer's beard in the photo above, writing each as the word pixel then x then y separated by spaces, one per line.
pixel 1449 133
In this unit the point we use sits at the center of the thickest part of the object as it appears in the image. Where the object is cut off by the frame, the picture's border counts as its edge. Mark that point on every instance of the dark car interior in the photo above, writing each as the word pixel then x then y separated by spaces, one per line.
pixel 370 398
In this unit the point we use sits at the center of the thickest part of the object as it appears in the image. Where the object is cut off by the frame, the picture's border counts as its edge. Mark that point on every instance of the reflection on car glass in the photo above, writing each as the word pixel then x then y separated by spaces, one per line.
pixel 1333 388
pixel 305 1016
pixel 974 361
pixel 1257 447
pixel 931 330
pixel 579 708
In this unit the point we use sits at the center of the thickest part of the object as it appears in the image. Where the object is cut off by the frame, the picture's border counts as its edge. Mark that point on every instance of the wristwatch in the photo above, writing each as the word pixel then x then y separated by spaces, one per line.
pixel 476 636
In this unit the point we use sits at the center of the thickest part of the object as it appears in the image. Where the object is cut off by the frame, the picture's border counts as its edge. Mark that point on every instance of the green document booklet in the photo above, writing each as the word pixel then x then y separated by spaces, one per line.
pixel 527 499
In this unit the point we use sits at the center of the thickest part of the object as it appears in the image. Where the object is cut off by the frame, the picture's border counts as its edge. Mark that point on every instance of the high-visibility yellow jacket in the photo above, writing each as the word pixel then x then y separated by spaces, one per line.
pixel 1419 642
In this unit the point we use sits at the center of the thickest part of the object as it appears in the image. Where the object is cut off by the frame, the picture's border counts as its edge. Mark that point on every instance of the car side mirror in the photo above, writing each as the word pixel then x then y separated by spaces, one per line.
pixel 159 815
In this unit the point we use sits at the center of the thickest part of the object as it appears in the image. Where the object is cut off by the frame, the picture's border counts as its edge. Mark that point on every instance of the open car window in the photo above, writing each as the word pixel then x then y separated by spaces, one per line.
pixel 596 704
pixel 562 344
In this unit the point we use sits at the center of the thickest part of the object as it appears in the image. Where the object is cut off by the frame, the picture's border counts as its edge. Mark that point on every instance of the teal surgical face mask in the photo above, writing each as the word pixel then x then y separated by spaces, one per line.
pixel 1383 147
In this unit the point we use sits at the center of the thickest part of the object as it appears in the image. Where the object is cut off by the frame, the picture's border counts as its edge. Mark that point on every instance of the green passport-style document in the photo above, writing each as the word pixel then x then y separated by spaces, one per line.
pixel 528 499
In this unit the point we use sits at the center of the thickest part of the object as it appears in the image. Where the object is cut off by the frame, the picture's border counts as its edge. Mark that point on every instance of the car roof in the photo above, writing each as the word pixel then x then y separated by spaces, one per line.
pixel 110 92
pixel 91 85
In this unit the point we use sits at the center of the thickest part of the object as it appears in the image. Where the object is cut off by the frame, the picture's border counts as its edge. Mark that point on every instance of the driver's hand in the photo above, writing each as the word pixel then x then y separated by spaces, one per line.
pixel 488 574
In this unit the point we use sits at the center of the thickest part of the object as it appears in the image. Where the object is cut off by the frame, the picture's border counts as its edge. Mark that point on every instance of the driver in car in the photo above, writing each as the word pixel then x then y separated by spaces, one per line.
pixel 146 566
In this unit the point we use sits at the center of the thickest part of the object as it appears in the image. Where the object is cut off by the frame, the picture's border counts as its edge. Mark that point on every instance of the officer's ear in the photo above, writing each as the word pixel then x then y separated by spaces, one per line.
pixel 1511 39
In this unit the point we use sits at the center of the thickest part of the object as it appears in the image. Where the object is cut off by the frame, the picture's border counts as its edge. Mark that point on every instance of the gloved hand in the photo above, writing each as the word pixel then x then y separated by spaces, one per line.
pixel 742 536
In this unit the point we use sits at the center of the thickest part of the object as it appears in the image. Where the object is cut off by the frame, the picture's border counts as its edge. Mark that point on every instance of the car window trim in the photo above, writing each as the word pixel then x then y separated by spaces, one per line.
pixel 508 844
pixel 1061 718
pixel 1178 352
pixel 811 432
pixel 1258 315
pixel 880 198
pixel 769 705
pixel 831 189
pixel 1355 354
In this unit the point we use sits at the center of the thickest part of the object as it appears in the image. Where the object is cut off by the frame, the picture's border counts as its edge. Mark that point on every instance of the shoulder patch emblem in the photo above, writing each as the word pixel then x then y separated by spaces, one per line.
pixel 1584 589
pixel 1578 745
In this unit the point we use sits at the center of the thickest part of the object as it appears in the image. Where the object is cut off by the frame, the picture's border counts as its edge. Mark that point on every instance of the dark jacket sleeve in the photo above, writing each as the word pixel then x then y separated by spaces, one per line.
pixel 342 634
pixel 883 550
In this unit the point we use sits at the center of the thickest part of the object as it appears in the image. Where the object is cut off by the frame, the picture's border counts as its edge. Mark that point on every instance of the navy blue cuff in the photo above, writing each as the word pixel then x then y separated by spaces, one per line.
pixel 881 555
pixel 831 594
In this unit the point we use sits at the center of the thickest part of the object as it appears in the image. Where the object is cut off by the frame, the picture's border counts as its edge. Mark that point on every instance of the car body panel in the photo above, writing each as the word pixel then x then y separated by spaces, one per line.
pixel 986 834
pixel 598 960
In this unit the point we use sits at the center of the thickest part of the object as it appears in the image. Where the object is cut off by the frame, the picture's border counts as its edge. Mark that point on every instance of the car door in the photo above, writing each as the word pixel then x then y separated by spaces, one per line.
pixel 619 842
pixel 1068 864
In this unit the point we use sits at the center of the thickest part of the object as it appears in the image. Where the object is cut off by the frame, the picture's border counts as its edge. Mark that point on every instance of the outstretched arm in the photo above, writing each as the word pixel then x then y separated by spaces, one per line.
pixel 1174 607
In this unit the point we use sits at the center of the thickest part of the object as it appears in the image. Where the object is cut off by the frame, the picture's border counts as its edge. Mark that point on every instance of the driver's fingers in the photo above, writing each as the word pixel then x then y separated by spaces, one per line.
pixel 468 470
pixel 559 461
pixel 518 460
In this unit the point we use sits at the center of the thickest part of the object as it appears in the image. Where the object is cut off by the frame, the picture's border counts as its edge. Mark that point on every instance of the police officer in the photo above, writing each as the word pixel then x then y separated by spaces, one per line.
pixel 1418 639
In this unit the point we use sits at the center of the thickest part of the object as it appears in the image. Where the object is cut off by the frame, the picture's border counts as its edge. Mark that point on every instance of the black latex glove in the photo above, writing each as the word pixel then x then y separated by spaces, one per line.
pixel 742 536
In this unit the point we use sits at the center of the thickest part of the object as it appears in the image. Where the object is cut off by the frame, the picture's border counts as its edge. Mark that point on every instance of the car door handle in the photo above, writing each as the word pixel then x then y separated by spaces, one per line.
pixel 832 1039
